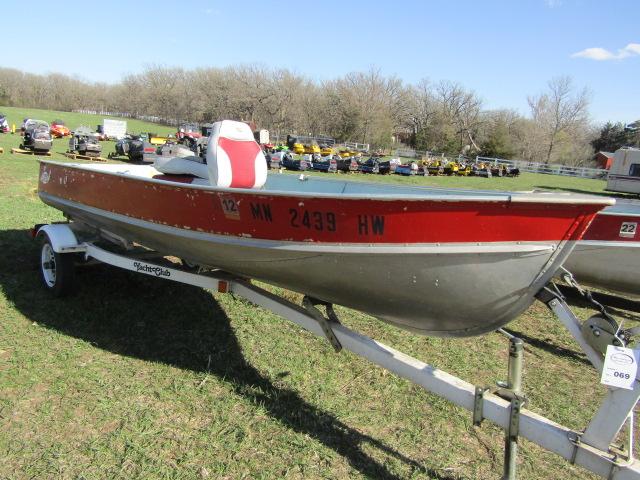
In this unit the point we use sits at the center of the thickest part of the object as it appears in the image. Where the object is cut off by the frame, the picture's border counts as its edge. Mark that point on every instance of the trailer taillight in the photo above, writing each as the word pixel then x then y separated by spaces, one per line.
pixel 35 229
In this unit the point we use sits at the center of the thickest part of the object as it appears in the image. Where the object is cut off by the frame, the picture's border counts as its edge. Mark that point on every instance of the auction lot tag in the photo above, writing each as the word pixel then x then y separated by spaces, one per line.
pixel 620 367
pixel 628 229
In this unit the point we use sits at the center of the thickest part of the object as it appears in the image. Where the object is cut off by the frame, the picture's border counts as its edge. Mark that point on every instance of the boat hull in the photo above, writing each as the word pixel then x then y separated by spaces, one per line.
pixel 607 265
pixel 441 288
pixel 608 257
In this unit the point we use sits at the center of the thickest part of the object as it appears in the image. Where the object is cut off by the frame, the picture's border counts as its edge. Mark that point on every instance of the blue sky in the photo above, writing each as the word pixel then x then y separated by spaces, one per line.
pixel 504 50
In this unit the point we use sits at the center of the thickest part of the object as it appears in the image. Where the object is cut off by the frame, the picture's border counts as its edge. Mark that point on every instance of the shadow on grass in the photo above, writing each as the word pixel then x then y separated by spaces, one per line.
pixel 547 346
pixel 176 324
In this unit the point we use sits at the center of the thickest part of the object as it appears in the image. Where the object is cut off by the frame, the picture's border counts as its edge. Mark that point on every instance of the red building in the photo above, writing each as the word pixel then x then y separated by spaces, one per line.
pixel 604 160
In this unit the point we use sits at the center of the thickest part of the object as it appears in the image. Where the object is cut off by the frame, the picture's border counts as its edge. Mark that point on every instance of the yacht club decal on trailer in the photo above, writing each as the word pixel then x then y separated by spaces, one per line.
pixel 151 269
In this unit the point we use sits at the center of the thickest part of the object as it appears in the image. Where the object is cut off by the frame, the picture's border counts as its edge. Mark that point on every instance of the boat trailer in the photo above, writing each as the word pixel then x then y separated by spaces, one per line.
pixel 592 449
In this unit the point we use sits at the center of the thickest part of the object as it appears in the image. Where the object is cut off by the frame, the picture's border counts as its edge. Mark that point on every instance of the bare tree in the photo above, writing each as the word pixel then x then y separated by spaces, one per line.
pixel 559 111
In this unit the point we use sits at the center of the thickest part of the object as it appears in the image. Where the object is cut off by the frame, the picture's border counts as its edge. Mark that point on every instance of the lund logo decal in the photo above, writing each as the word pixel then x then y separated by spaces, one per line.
pixel 45 177
pixel 151 269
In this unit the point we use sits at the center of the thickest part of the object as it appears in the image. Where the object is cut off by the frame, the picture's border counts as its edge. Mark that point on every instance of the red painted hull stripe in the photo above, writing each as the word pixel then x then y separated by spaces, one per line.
pixel 334 220
pixel 609 227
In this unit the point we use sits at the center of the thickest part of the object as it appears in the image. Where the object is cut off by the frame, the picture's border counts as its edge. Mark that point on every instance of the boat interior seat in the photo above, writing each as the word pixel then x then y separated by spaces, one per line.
pixel 182 166
pixel 234 158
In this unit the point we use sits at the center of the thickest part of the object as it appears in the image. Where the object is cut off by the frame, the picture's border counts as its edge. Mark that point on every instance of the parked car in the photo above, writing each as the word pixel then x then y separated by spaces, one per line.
pixel 4 125
pixel 59 129
pixel 36 136
pixel 85 142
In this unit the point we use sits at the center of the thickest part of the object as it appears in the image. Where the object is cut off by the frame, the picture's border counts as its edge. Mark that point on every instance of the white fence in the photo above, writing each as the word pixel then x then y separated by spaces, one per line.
pixel 548 168
pixel 363 147
pixel 410 153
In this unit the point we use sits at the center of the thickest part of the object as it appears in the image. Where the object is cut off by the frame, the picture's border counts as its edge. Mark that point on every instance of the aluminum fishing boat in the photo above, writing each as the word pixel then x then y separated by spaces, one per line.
pixel 434 261
pixel 608 256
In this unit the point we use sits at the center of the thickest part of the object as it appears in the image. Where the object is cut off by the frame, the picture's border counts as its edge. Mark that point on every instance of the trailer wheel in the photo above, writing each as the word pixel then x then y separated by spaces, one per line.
pixel 57 269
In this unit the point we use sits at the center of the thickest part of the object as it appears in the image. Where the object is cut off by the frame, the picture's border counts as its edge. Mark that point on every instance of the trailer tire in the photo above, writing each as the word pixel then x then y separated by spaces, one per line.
pixel 56 269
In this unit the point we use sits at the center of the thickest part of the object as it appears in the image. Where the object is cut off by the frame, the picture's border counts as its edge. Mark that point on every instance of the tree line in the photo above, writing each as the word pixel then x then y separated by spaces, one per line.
pixel 365 107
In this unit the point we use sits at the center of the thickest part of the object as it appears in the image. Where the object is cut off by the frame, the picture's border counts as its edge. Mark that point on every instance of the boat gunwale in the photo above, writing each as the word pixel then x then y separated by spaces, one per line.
pixel 498 197
pixel 619 212
pixel 609 243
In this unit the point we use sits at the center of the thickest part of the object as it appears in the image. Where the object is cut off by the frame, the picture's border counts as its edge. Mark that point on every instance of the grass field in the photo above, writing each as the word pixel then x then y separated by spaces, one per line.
pixel 138 378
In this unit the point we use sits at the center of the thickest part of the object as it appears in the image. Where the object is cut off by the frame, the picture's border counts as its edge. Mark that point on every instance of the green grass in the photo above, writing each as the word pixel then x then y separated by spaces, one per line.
pixel 137 378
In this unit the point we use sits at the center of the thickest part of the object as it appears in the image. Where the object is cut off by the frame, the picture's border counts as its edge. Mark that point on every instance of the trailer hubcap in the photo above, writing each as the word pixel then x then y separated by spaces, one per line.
pixel 48 265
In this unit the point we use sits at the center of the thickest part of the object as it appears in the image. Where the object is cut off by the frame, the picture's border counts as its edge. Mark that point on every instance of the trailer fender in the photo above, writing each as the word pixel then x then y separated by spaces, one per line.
pixel 62 238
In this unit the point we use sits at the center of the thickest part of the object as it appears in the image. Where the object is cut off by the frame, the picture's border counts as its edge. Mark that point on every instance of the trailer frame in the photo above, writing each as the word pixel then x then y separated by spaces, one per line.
pixel 592 448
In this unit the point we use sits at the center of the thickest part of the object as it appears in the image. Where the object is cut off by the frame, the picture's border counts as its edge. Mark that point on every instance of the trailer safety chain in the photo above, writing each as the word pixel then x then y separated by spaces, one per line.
pixel 619 336
pixel 309 303
pixel 568 277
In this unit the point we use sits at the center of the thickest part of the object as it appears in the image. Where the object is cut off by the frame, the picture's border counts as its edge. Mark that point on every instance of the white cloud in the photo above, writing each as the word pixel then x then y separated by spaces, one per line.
pixel 553 3
pixel 597 53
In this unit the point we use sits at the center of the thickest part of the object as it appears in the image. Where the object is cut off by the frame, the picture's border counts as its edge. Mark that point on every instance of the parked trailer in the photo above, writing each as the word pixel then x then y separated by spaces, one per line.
pixel 591 448
pixel 624 175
